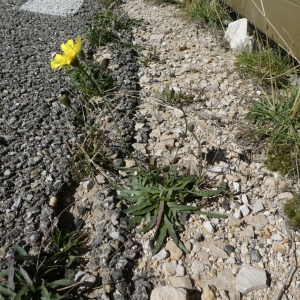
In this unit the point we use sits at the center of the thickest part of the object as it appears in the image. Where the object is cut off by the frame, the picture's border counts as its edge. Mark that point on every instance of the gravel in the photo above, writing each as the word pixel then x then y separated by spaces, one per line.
pixel 34 131
pixel 35 141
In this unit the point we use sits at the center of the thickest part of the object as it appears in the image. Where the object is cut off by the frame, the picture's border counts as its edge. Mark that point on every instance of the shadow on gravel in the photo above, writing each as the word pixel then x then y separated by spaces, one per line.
pixel 67 222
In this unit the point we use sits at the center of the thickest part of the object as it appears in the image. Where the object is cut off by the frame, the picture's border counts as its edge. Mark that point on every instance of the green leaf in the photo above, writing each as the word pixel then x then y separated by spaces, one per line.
pixel 45 293
pixel 61 282
pixel 145 210
pixel 211 215
pixel 181 207
pixel 149 226
pixel 137 207
pixel 20 250
pixel 21 292
pixel 27 279
pixel 132 222
pixel 171 230
pixel 160 239
pixel 181 246
pixel 7 291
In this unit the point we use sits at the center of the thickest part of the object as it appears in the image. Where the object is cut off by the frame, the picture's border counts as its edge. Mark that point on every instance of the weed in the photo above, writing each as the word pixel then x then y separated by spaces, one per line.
pixel 279 124
pixel 292 210
pixel 209 11
pixel 104 27
pixel 90 152
pixel 160 196
pixel 45 276
pixel 109 3
pixel 172 98
pixel 151 57
pixel 268 65
pixel 88 88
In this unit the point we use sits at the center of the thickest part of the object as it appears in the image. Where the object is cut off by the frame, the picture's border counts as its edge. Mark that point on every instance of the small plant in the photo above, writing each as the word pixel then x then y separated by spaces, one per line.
pixel 88 88
pixel 151 57
pixel 46 276
pixel 278 121
pixel 158 198
pixel 172 98
pixel 90 152
pixel 104 27
pixel 209 11
pixel 268 65
pixel 292 210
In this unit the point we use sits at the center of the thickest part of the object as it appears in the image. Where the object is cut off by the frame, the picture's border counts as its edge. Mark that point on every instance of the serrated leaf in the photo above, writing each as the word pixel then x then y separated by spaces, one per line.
pixel 160 239
pixel 7 291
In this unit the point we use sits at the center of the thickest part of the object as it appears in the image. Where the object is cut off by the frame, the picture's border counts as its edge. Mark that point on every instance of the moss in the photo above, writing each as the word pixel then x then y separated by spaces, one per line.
pixel 292 210
pixel 279 160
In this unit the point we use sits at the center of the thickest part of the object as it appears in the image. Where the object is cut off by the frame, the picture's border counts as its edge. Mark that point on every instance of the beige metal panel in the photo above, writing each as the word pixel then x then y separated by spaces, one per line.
pixel 281 21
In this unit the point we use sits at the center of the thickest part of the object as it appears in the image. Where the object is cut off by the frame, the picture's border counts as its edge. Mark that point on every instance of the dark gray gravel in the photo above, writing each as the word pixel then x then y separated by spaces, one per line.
pixel 35 138
pixel 33 130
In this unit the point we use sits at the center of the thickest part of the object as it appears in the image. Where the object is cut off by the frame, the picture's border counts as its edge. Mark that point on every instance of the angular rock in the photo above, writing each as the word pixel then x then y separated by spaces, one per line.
pixel 181 282
pixel 169 268
pixel 169 293
pixel 248 232
pixel 237 34
pixel 285 196
pixel 175 252
pixel 234 221
pixel 162 254
pixel 198 267
pixel 224 281
pixel 258 221
pixel 250 279
pixel 208 293
pixel 217 252
pixel 257 207
pixel 208 227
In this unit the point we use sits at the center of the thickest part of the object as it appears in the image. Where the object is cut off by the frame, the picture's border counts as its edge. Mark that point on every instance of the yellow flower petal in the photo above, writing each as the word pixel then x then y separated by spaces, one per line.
pixel 69 56
pixel 59 61
pixel 78 45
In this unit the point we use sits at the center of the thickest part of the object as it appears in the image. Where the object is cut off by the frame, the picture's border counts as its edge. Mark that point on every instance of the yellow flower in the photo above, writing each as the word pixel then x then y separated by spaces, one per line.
pixel 69 56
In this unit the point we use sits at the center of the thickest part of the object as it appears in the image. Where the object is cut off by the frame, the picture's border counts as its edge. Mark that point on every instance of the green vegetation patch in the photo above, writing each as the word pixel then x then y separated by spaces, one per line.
pixel 158 198
pixel 292 210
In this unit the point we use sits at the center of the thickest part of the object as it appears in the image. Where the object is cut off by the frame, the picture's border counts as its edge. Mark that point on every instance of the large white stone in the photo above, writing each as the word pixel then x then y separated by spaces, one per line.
pixel 169 293
pixel 250 279
pixel 238 34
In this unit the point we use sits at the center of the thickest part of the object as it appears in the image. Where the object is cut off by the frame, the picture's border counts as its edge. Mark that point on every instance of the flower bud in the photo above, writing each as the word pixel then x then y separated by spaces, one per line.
pixel 65 100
